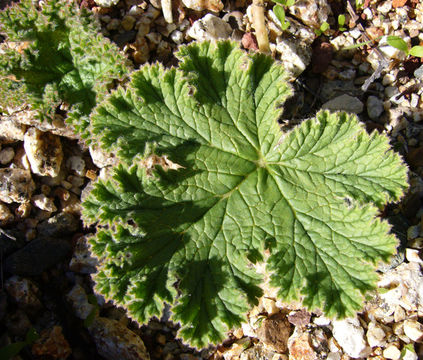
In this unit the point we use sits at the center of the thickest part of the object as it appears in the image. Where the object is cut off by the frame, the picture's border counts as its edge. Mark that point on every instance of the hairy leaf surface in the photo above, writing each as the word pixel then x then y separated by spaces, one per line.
pixel 56 51
pixel 212 187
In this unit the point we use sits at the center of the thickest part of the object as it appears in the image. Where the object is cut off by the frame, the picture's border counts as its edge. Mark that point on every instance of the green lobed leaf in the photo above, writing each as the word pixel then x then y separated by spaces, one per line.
pixel 55 50
pixel 209 188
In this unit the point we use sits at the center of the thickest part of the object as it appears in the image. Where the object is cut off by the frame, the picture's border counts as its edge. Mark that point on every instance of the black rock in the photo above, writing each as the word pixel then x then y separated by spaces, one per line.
pixel 122 39
pixel 59 225
pixel 11 240
pixel 3 304
pixel 39 255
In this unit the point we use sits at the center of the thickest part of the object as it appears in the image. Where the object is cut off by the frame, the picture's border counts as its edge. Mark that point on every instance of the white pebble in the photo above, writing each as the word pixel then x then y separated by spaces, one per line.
pixel 409 354
pixel 77 164
pixel 350 336
pixel 321 321
pixel 414 330
pixel 385 7
pixel 44 203
pixel 210 27
pixel 177 37
pixel 368 12
pixel 388 79
pixel 414 100
pixel 392 352
pixel 412 255
pixel 355 33
pixel 375 335
pixel 135 10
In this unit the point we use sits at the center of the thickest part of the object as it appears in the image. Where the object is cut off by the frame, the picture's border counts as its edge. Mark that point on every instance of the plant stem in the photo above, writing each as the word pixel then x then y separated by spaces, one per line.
pixel 259 26
pixel 167 10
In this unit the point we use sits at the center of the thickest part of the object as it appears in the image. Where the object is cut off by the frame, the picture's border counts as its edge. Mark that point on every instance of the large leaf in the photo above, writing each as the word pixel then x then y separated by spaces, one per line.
pixel 56 51
pixel 227 192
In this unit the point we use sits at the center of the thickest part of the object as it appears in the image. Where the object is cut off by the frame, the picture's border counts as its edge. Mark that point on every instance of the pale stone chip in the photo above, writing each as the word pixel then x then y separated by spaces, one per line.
pixel 44 152
pixel 44 203
pixel 16 185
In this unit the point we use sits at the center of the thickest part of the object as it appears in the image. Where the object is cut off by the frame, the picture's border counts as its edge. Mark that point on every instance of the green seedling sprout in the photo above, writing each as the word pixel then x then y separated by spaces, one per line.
pixel 323 28
pixel 280 11
pixel 11 350
pixel 394 41
pixel 341 22
pixel 400 44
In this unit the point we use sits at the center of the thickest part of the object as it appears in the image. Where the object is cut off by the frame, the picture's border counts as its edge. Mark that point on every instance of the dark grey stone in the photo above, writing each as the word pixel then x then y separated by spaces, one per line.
pixel 39 255
pixel 59 225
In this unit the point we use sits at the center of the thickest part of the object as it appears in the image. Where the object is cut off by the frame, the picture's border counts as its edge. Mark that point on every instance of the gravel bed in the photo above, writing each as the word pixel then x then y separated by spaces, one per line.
pixel 45 170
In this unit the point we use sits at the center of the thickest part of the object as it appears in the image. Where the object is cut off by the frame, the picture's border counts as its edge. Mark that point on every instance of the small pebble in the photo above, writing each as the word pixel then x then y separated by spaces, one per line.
pixel 392 352
pixel 418 73
pixel 347 74
pixel 16 185
pixel 344 103
pixel 142 52
pixel 210 27
pixel 177 37
pixel 385 7
pixel 412 255
pixel 414 330
pixel 6 215
pixel 355 33
pixel 375 335
pixel 128 22
pixel 113 24
pixel 374 107
pixel 408 354
pixel 23 210
pixel 143 29
pixel 44 203
pixel 368 12
pixel 388 79
pixel 399 314
pixel 7 155
pixel 414 102
pixel 135 11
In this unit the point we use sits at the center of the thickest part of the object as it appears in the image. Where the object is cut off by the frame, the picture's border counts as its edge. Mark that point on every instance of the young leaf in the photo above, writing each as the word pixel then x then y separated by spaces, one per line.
pixel 325 26
pixel 416 51
pixel 55 50
pixel 341 22
pixel 280 14
pixel 214 188
pixel 397 43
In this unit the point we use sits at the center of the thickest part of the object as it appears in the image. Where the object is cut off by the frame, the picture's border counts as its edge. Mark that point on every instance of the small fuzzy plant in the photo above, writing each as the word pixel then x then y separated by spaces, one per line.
pixel 209 190
pixel 55 54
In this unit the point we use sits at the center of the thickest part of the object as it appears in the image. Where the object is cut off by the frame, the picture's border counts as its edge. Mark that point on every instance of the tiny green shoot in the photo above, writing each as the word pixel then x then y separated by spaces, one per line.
pixel 341 22
pixel 279 11
pixel 323 28
pixel 400 44
pixel 11 350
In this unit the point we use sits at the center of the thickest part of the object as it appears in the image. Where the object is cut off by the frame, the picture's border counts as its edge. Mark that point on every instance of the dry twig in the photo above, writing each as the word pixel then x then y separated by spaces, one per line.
pixel 260 26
